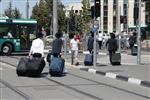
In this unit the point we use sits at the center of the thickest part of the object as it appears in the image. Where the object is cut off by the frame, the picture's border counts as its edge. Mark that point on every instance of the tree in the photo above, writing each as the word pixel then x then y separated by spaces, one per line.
pixel 42 11
pixel 86 19
pixel 12 13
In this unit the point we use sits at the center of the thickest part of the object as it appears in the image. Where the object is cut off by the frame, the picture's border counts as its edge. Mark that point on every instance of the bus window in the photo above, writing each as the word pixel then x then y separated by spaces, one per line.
pixel 20 32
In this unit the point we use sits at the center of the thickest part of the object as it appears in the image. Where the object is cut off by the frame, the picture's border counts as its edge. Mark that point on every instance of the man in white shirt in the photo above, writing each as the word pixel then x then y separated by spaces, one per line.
pixel 100 39
pixel 74 49
pixel 37 48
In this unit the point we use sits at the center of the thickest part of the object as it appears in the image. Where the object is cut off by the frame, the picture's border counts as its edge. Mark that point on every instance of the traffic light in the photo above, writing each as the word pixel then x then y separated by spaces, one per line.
pixel 123 19
pixel 95 10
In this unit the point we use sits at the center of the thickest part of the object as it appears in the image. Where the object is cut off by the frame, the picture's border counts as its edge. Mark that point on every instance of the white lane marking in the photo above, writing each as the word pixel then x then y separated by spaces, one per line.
pixel 134 80
pixel 92 71
pixel 7 65
pixel 111 75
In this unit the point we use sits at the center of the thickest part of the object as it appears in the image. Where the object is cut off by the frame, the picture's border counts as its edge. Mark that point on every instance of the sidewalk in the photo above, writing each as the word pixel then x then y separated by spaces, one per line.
pixel 128 70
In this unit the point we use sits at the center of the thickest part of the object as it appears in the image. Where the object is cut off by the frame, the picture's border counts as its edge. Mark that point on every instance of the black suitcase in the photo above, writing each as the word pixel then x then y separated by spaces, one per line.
pixel 21 69
pixel 35 66
pixel 116 59
pixel 134 50
pixel 88 60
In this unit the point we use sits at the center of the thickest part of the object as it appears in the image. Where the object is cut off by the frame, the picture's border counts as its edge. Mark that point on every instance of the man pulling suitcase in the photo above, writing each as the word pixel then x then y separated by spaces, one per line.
pixel 33 65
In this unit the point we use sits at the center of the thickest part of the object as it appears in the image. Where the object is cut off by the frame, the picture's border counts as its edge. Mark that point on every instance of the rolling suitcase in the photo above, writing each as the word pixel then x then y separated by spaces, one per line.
pixel 21 69
pixel 56 66
pixel 88 60
pixel 134 50
pixel 116 59
pixel 35 66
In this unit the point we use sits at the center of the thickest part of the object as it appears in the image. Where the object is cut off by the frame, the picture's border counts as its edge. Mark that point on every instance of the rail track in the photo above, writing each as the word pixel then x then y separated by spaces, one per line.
pixel 79 91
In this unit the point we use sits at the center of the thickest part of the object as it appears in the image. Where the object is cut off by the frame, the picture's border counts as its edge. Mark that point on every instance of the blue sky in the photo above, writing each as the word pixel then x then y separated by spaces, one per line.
pixel 20 4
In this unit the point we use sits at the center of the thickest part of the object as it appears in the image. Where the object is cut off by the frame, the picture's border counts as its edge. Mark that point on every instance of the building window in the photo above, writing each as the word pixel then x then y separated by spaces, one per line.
pixel 105 2
pixel 114 2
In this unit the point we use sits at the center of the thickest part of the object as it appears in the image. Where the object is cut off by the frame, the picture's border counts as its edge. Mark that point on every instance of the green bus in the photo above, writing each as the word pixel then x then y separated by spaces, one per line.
pixel 16 34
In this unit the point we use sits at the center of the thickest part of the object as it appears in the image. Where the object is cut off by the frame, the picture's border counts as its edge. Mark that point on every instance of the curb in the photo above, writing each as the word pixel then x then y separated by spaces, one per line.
pixel 113 75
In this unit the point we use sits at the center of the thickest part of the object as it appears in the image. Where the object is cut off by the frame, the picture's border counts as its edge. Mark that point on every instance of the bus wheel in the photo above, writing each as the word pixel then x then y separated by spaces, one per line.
pixel 7 49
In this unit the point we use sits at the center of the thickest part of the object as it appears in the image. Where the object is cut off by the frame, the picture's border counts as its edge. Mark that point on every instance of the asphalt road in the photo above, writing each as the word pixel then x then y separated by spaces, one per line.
pixel 76 85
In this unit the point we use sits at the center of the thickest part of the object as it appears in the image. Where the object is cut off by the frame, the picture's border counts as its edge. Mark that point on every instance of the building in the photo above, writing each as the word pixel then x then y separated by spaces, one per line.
pixel 111 10
pixel 76 7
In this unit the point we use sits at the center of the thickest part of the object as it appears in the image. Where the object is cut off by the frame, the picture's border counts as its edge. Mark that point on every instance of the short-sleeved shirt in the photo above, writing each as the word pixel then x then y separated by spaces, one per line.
pixel 74 44
pixel 37 47
pixel 57 46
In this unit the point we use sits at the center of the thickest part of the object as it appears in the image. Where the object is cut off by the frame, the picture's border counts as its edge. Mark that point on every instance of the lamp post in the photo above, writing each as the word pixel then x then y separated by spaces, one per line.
pixel 27 8
pixel 51 19
pixel 139 35
pixel 55 19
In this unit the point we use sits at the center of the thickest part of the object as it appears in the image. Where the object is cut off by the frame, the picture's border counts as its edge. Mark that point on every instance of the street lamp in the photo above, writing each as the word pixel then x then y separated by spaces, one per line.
pixel 51 19
pixel 27 8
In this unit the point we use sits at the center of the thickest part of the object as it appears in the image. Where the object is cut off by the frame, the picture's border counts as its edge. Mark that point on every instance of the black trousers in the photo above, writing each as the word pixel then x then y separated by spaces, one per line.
pixel 110 55
pixel 37 55
pixel 56 55
pixel 100 44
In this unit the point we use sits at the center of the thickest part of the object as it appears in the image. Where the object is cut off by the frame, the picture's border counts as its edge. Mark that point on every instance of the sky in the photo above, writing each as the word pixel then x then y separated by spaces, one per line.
pixel 20 4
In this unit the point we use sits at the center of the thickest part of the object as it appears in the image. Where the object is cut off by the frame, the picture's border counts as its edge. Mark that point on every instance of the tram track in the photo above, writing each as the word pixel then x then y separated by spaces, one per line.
pixel 64 85
pixel 84 93
pixel 22 94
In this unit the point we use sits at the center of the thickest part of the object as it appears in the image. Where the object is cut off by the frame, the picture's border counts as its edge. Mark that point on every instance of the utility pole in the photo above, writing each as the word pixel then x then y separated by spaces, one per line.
pixel 139 35
pixel 127 16
pixel 55 19
pixel 27 8
pixel 118 25
pixel 1 8
pixel 94 39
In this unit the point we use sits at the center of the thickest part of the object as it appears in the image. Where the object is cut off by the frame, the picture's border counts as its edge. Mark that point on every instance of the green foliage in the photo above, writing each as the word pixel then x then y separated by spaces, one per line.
pixel 12 13
pixel 86 19
pixel 43 11
pixel 80 23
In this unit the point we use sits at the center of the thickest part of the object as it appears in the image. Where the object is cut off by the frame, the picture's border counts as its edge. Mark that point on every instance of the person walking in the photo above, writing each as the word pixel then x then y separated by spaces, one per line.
pixel 74 50
pixel 112 46
pixel 132 40
pixel 90 43
pixel 100 39
pixel 57 45
pixel 37 47
pixel 133 43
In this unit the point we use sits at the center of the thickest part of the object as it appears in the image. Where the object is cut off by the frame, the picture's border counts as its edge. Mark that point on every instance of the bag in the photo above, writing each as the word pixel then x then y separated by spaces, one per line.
pixel 134 50
pixel 88 59
pixel 35 66
pixel 116 59
pixel 48 58
pixel 56 66
pixel 21 69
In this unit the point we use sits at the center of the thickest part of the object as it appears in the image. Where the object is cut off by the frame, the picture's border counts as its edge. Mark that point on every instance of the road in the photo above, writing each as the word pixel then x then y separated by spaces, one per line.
pixel 76 85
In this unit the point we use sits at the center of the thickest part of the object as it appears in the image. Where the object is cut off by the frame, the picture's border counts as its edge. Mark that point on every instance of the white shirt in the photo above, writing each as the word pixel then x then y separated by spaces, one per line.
pixel 74 44
pixel 37 47
pixel 100 37
pixel 9 35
